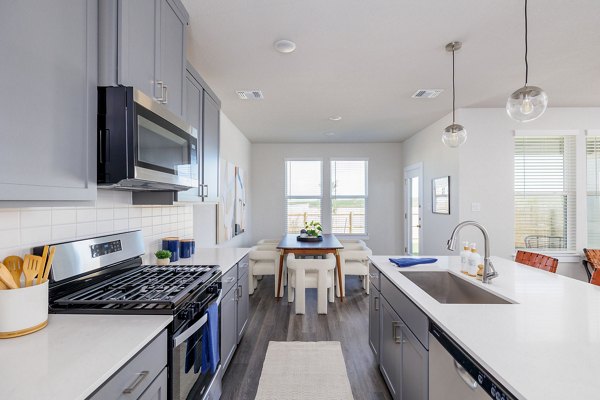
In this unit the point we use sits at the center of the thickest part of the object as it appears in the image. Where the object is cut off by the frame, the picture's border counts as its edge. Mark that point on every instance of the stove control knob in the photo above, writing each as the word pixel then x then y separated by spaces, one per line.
pixel 212 289
pixel 186 314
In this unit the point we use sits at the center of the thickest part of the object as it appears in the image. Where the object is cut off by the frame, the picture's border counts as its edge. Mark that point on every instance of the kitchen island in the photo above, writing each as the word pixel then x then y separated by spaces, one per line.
pixel 546 345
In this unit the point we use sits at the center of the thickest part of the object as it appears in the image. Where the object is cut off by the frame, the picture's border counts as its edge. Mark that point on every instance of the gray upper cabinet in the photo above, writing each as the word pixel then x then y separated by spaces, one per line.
pixel 210 144
pixel 48 102
pixel 142 44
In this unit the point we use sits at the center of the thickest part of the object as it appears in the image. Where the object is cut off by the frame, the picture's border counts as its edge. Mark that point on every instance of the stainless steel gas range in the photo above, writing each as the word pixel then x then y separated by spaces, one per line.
pixel 105 275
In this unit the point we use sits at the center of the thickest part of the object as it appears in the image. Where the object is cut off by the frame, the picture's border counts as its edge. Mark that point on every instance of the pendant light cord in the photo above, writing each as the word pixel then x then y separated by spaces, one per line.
pixel 526 62
pixel 453 88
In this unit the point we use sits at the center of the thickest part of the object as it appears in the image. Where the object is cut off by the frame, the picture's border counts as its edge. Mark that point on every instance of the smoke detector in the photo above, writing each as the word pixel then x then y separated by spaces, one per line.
pixel 427 93
pixel 250 94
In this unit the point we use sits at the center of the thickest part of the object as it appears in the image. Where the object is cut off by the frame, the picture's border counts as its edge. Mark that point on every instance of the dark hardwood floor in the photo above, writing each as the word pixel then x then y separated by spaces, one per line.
pixel 276 321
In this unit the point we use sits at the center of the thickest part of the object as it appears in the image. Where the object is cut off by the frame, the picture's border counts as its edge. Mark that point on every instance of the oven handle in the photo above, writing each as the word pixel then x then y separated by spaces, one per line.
pixel 183 336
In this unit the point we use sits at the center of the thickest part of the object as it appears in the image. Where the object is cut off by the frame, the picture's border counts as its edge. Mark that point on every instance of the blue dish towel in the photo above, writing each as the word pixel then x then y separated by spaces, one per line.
pixel 409 262
pixel 210 355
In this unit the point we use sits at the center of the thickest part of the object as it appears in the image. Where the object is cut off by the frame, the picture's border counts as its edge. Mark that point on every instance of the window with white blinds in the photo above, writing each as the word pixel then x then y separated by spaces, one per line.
pixel 349 197
pixel 592 150
pixel 303 193
pixel 545 192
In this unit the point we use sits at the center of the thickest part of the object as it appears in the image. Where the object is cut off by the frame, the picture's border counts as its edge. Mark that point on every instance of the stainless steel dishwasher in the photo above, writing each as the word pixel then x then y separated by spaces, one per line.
pixel 454 375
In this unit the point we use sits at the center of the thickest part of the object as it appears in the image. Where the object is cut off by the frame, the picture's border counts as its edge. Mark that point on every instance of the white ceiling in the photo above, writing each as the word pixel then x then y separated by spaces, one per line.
pixel 363 59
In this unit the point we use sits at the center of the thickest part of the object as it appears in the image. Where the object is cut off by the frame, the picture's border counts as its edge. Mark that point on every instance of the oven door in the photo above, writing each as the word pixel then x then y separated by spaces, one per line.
pixel 190 368
pixel 165 147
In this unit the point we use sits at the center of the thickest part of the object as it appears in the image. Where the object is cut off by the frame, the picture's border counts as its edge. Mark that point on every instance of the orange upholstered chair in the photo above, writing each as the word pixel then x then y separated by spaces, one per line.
pixel 592 259
pixel 595 277
pixel 537 260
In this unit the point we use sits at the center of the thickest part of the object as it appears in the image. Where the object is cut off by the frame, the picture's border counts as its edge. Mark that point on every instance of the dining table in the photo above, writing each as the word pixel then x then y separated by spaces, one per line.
pixel 329 245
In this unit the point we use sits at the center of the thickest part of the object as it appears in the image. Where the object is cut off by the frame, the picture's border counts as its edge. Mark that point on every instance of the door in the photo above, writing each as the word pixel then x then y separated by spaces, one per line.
pixel 413 209
pixel 49 98
pixel 391 349
pixel 137 61
pixel 228 326
pixel 193 116
pixel 210 136
pixel 374 320
pixel 415 367
pixel 172 67
pixel 243 306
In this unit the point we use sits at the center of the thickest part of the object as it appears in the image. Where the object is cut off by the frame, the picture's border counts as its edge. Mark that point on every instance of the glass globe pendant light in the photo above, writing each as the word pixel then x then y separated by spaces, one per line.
pixel 455 134
pixel 529 102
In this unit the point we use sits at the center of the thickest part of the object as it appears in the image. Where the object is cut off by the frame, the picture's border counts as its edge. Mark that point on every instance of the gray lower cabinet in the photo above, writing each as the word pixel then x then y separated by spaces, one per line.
pixel 228 326
pixel 157 389
pixel 403 356
pixel 390 361
pixel 48 103
pixel 243 306
pixel 374 320
pixel 235 306
pixel 142 44
pixel 143 377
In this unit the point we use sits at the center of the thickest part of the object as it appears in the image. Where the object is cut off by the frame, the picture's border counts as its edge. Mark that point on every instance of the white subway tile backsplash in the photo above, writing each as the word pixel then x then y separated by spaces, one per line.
pixel 64 232
pixel 86 229
pixel 105 214
pixel 62 216
pixel 86 215
pixel 9 238
pixel 121 213
pixel 9 219
pixel 105 226
pixel 35 236
pixel 21 229
pixel 34 218
pixel 135 223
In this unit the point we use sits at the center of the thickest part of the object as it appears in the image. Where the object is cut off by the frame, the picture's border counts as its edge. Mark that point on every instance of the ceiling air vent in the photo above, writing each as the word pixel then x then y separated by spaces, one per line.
pixel 250 94
pixel 427 93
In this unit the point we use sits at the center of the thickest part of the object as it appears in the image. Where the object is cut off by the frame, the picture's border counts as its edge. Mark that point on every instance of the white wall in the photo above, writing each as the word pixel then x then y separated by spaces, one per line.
pixel 23 228
pixel 426 147
pixel 235 148
pixel 384 209
pixel 485 167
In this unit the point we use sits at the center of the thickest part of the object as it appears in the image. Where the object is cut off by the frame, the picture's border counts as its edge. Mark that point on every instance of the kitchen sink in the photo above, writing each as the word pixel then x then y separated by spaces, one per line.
pixel 450 289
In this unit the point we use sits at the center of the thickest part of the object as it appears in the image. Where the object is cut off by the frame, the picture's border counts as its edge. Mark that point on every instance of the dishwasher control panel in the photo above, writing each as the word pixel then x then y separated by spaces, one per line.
pixel 485 381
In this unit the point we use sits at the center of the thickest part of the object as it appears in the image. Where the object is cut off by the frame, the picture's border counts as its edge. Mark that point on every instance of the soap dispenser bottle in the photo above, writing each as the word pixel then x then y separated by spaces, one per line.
pixel 474 260
pixel 464 258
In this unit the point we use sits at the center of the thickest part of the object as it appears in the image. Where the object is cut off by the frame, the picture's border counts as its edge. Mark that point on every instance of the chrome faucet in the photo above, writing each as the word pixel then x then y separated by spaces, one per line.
pixel 489 272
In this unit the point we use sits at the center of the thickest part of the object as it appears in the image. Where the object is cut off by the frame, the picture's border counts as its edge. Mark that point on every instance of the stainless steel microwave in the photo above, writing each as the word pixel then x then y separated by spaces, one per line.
pixel 142 145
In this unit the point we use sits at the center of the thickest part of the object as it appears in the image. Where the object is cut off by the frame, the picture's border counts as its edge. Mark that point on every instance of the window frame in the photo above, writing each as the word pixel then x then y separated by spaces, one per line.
pixel 365 196
pixel 285 195
pixel 580 191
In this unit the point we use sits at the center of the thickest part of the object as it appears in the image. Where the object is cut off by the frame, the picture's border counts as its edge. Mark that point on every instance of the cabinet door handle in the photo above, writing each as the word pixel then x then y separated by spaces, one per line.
pixel 395 326
pixel 162 91
pixel 240 292
pixel 204 190
pixel 376 301
pixel 467 379
pixel 138 379
pixel 166 94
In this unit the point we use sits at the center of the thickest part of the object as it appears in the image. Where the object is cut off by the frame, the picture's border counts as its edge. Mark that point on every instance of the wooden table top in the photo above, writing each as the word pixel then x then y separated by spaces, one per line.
pixel 290 241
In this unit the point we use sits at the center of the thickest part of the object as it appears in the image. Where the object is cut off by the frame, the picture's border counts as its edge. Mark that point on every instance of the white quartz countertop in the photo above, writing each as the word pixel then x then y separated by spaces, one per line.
pixel 225 257
pixel 546 346
pixel 74 355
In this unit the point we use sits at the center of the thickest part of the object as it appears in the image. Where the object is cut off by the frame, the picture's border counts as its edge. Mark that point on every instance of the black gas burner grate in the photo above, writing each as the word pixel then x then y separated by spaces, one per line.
pixel 147 287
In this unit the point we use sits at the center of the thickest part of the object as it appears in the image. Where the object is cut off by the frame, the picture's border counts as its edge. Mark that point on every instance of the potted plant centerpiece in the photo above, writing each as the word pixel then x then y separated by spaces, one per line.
pixel 162 257
pixel 313 230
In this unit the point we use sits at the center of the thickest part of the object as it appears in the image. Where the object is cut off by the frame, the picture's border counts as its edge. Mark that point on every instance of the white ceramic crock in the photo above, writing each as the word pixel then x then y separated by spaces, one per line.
pixel 23 310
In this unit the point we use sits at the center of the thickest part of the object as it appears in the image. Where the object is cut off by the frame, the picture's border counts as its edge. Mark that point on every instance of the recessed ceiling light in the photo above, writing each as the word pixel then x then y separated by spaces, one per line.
pixel 335 118
pixel 284 46
pixel 329 134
